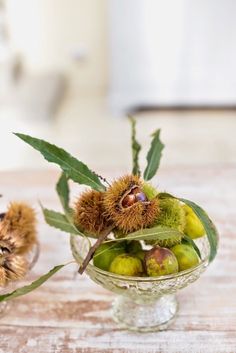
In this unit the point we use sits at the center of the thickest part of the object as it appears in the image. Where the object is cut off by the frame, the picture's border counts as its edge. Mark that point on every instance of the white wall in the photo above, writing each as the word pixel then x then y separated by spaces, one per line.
pixel 47 33
pixel 172 52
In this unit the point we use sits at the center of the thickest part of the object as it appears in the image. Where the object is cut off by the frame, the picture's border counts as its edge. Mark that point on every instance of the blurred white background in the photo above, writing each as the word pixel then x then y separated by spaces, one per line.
pixel 71 69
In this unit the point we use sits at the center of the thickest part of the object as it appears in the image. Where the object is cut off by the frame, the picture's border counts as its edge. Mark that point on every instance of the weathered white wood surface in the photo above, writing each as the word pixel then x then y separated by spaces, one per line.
pixel 71 314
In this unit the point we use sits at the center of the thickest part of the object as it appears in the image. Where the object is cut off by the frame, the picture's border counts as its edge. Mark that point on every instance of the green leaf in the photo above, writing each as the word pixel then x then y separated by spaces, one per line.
pixel 74 169
pixel 159 232
pixel 63 192
pixel 29 288
pixel 165 195
pixel 189 241
pixel 60 221
pixel 208 225
pixel 154 156
pixel 136 148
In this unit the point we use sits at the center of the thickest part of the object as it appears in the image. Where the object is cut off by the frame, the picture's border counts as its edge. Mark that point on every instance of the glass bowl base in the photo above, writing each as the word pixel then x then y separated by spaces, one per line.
pixel 155 316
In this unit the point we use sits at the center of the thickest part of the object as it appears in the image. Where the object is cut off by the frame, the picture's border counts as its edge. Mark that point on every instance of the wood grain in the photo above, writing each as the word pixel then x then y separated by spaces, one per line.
pixel 71 314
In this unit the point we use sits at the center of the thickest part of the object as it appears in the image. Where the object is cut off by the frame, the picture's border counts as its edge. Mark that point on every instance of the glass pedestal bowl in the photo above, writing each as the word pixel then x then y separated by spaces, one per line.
pixel 32 258
pixel 143 303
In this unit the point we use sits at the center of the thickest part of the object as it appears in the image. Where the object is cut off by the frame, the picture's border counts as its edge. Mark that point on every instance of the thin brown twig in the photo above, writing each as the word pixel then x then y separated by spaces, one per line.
pixel 102 178
pixel 92 250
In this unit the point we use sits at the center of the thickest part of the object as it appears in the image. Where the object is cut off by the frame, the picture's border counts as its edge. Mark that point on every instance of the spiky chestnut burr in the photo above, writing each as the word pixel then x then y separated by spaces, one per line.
pixel 12 267
pixel 127 205
pixel 15 266
pixel 3 278
pixel 89 213
pixel 171 215
pixel 18 228
pixel 150 191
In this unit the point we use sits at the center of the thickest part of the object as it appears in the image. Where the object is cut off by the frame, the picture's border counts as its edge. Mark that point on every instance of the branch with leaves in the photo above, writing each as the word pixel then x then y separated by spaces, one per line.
pixel 78 172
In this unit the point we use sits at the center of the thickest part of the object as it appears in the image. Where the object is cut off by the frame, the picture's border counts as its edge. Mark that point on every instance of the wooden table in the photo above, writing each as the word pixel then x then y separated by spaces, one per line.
pixel 71 314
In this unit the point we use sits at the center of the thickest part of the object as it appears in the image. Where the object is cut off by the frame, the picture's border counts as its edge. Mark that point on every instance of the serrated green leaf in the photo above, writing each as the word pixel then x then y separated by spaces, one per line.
pixel 60 221
pixel 74 169
pixel 208 225
pixel 63 192
pixel 34 285
pixel 159 232
pixel 136 148
pixel 189 241
pixel 154 156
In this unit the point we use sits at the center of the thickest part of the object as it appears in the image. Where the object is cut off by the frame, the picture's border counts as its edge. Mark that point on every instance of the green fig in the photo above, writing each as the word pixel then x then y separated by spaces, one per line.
pixel 186 256
pixel 105 254
pixel 160 261
pixel 126 265
pixel 193 226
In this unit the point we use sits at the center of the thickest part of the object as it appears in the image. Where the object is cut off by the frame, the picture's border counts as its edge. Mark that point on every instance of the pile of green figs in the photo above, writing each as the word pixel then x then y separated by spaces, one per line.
pixel 136 258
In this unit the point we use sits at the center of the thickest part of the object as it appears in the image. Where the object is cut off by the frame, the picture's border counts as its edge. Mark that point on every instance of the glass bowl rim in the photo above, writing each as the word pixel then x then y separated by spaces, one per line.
pixel 204 263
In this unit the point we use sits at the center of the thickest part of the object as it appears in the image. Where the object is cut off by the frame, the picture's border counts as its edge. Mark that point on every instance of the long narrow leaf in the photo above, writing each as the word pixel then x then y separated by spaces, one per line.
pixel 34 285
pixel 59 221
pixel 63 192
pixel 136 147
pixel 154 156
pixel 75 169
pixel 165 195
pixel 189 241
pixel 159 232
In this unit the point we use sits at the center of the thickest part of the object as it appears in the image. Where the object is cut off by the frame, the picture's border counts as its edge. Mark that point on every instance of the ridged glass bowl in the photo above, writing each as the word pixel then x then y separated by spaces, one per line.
pixel 32 258
pixel 143 303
